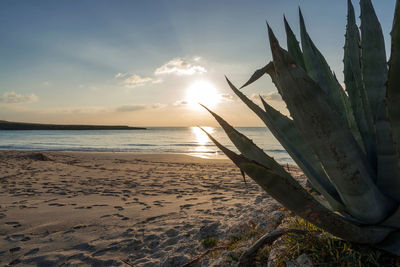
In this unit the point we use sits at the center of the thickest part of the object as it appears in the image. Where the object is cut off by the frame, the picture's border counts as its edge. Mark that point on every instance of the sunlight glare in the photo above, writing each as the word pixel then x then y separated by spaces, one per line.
pixel 202 92
pixel 200 137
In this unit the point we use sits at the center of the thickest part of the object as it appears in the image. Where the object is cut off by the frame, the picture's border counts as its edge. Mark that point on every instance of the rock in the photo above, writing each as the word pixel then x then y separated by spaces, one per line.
pixel 220 262
pixel 171 232
pixel 208 231
pixel 304 261
pixel 277 249
pixel 291 263
pixel 174 261
pixel 38 156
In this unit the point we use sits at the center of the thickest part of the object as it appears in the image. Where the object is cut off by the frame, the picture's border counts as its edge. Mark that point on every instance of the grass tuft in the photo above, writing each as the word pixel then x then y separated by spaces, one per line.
pixel 327 250
pixel 209 242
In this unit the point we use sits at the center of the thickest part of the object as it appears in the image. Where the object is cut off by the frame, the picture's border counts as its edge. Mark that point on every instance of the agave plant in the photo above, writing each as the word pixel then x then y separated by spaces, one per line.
pixel 347 142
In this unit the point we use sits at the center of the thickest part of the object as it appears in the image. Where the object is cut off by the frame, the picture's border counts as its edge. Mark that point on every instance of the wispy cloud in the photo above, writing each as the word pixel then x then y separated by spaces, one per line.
pixel 120 75
pixel 179 66
pixel 176 66
pixel 15 98
pixel 272 96
pixel 181 103
pixel 137 107
pixel 134 80
pixel 130 108
pixel 228 97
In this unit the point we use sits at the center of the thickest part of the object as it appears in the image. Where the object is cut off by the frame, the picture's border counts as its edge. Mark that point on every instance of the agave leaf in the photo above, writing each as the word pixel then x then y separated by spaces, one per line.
pixel 290 138
pixel 374 73
pixel 318 69
pixel 274 77
pixel 393 220
pixel 373 60
pixel 393 83
pixel 256 75
pixel 284 129
pixel 316 116
pixel 388 172
pixel 355 89
pixel 295 198
pixel 293 46
pixel 391 243
pixel 252 152
pixel 247 147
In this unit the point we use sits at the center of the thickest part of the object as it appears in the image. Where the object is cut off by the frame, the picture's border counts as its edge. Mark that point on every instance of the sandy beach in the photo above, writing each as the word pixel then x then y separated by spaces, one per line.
pixel 116 209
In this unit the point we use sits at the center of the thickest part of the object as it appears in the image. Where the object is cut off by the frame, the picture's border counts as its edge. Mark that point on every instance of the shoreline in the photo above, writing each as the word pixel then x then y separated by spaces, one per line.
pixel 108 208
pixel 206 156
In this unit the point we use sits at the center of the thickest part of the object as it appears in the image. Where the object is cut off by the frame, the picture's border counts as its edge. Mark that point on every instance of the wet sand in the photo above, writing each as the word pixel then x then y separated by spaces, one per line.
pixel 121 209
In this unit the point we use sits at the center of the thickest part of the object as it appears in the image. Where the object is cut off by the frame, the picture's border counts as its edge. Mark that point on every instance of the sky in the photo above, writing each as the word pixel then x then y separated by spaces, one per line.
pixel 149 63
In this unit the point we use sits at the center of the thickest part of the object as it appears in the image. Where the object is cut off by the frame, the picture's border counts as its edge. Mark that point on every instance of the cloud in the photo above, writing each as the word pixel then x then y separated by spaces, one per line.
pixel 228 97
pixel 137 107
pixel 120 75
pixel 272 96
pixel 130 108
pixel 15 98
pixel 179 66
pixel 157 105
pixel 134 80
pixel 85 110
pixel 181 103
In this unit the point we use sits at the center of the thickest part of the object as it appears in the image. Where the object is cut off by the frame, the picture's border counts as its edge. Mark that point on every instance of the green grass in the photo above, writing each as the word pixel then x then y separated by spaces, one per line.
pixel 209 242
pixel 323 249
pixel 326 250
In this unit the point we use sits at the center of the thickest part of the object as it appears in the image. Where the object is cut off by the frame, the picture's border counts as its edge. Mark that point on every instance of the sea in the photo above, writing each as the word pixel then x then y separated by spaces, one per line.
pixel 185 140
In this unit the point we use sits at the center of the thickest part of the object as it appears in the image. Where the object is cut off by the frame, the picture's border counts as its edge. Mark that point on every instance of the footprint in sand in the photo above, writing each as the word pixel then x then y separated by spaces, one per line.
pixel 32 251
pixel 79 227
pixel 192 198
pixel 118 208
pixel 16 261
pixel 123 218
pixel 12 250
pixel 14 224
pixel 18 237
pixel 56 204
pixel 186 206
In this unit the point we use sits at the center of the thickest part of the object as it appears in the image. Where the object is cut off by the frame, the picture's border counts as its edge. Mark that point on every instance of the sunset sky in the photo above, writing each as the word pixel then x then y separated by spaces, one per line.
pixel 148 63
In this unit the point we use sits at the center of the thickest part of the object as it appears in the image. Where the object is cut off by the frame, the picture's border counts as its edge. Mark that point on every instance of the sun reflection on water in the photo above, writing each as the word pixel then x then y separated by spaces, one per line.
pixel 202 140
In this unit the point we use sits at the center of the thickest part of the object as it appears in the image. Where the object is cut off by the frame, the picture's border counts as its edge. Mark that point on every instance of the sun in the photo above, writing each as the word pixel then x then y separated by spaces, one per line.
pixel 202 92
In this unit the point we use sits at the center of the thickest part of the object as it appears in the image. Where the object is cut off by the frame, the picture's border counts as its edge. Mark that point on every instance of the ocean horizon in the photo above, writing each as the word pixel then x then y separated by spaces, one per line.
pixel 184 140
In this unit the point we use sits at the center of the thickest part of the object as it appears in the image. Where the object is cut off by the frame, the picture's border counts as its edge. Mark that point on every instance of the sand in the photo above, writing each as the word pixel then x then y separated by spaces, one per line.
pixel 122 209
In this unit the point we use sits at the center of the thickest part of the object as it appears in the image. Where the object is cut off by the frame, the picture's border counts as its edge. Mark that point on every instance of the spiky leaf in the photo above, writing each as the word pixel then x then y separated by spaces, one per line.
pixel 374 72
pixel 284 130
pixel 256 75
pixel 373 60
pixel 316 116
pixel 295 198
pixel 293 45
pixel 393 83
pixel 355 89
pixel 318 69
